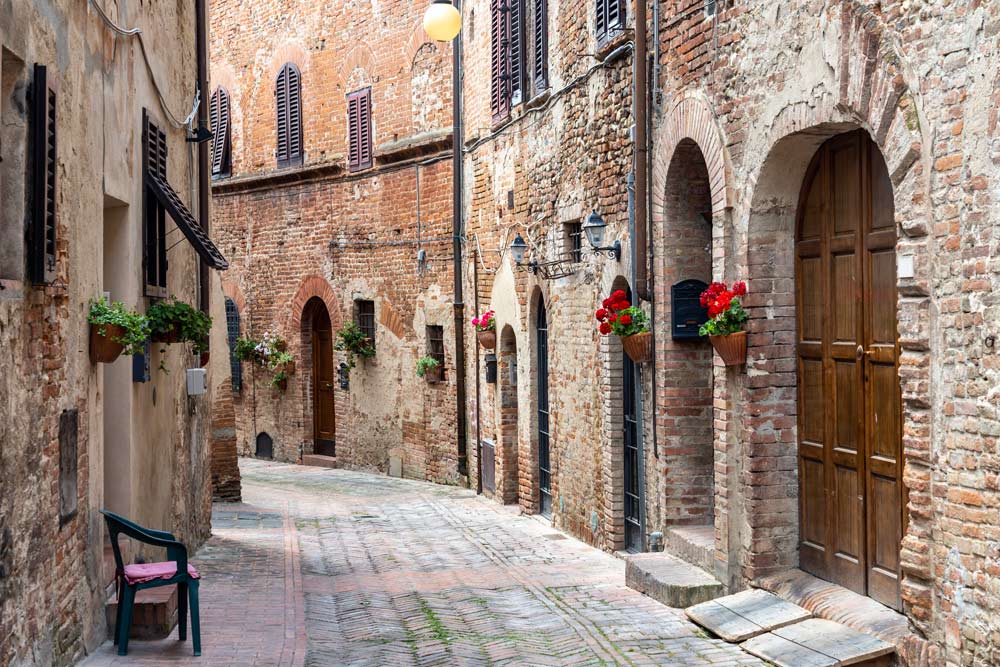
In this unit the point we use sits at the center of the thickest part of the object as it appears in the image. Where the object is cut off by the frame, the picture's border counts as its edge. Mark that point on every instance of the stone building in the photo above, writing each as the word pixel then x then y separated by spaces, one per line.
pixel 78 103
pixel 842 158
pixel 332 199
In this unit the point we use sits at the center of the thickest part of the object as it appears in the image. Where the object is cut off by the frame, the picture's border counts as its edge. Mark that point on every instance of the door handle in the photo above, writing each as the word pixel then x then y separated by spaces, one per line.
pixel 862 353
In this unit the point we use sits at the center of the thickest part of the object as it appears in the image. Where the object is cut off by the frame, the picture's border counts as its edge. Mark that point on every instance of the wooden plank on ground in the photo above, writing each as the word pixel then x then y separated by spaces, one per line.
pixel 846 645
pixel 722 622
pixel 785 653
pixel 765 609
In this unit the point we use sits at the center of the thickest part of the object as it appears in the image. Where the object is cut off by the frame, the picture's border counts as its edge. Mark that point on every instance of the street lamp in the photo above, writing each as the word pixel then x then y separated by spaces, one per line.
pixel 442 21
pixel 595 227
pixel 518 248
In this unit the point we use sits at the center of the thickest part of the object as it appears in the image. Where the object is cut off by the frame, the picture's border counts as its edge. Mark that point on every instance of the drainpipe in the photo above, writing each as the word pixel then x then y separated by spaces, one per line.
pixel 641 151
pixel 457 231
pixel 204 177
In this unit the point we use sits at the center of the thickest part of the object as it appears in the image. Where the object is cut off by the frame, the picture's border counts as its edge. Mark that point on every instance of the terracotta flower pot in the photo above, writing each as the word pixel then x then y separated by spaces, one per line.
pixel 289 368
pixel 103 349
pixel 282 385
pixel 732 348
pixel 487 339
pixel 434 375
pixel 639 347
pixel 169 337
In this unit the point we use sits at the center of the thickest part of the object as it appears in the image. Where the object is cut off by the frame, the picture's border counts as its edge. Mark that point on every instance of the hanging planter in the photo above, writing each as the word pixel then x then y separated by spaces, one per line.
pixel 630 323
pixel 639 347
pixel 727 318
pixel 486 329
pixel 168 337
pixel 430 369
pixel 114 329
pixel 104 345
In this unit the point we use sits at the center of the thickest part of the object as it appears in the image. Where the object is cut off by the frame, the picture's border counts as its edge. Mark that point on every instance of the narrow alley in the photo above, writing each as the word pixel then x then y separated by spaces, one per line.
pixel 334 567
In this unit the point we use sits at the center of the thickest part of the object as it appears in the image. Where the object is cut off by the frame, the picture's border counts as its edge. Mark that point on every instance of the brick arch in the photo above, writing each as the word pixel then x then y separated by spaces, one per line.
pixel 287 52
pixel 312 286
pixel 360 57
pixel 232 291
pixel 868 90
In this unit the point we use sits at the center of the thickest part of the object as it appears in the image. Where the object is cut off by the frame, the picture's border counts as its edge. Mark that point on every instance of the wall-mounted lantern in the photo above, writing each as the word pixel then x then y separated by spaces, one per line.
pixel 594 227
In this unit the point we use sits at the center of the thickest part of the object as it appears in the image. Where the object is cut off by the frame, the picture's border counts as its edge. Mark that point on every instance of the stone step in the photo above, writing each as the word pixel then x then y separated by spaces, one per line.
pixel 319 460
pixel 746 614
pixel 695 544
pixel 153 617
pixel 670 580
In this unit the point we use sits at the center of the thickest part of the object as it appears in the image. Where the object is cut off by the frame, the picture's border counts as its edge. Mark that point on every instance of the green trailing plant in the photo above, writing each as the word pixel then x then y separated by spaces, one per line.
pixel 425 364
pixel 278 379
pixel 135 325
pixel 353 341
pixel 191 325
pixel 246 349
pixel 271 352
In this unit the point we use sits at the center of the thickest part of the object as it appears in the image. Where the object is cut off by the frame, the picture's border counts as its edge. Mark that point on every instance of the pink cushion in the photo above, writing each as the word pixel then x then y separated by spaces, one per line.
pixel 143 572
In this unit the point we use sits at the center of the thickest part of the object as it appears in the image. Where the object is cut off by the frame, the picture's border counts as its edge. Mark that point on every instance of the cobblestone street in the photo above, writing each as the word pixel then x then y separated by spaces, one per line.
pixel 396 572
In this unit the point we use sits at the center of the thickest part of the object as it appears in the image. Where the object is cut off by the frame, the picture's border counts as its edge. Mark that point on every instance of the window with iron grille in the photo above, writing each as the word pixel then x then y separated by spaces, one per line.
pixel 435 343
pixel 218 111
pixel 359 129
pixel 154 219
pixel 42 228
pixel 288 98
pixel 573 241
pixel 540 46
pixel 366 318
pixel 609 20
pixel 232 334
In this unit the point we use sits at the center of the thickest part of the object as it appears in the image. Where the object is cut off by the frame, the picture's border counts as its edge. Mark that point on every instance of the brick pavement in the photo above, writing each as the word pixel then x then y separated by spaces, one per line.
pixel 397 572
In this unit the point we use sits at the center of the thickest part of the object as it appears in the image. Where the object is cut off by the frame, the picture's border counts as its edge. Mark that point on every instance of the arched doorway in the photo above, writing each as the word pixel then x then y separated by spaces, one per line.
pixel 851 495
pixel 318 342
pixel 507 381
pixel 542 399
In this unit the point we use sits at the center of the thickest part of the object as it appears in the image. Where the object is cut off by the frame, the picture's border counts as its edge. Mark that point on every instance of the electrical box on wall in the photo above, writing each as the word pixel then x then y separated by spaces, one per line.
pixel 197 381
pixel 686 313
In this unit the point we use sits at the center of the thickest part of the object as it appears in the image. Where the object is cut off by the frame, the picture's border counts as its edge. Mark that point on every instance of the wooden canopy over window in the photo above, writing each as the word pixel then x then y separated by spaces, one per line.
pixel 186 222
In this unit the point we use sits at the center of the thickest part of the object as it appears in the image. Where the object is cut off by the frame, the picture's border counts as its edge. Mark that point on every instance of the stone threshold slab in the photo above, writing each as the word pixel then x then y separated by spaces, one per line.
pixel 736 618
pixel 817 642
pixel 670 580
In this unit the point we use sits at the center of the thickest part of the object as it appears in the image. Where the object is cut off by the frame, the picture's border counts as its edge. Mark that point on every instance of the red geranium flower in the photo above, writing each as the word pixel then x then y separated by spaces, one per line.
pixel 618 295
pixel 625 320
pixel 601 314
pixel 739 288
pixel 605 328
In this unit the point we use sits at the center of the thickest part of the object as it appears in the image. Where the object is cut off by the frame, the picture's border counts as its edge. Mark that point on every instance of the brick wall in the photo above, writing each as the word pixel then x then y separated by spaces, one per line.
pixel 321 231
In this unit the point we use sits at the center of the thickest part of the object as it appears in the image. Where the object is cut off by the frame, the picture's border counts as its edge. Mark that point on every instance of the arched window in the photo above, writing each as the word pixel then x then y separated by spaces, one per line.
pixel 232 333
pixel 218 111
pixel 288 97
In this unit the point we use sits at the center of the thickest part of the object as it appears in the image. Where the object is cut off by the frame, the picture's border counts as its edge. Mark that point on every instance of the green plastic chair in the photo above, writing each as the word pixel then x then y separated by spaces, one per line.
pixel 130 579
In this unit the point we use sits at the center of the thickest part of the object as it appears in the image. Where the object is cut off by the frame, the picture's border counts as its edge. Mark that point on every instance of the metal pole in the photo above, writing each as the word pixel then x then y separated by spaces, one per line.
pixel 457 231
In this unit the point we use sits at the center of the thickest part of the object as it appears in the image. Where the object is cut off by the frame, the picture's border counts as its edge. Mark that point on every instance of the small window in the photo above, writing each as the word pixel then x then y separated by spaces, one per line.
pixel 366 318
pixel 711 8
pixel 232 334
pixel 42 231
pixel 359 129
pixel 288 98
pixel 68 483
pixel 154 219
pixel 435 343
pixel 218 111
pixel 573 241
pixel 610 19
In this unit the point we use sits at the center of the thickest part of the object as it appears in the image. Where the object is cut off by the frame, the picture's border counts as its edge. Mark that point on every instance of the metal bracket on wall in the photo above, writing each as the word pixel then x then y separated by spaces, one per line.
pixel 565 265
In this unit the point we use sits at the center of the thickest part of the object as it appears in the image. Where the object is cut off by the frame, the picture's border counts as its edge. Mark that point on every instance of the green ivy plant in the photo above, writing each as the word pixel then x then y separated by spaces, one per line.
pixel 246 349
pixel 355 343
pixel 271 352
pixel 192 324
pixel 425 364
pixel 135 325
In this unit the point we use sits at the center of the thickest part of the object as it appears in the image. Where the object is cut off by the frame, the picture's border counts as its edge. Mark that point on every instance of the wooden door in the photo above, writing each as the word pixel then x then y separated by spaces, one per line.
pixel 324 433
pixel 849 416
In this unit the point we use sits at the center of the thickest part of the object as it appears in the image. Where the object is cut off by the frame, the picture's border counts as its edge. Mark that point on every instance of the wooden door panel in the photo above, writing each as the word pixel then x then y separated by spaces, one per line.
pixel 324 418
pixel 850 462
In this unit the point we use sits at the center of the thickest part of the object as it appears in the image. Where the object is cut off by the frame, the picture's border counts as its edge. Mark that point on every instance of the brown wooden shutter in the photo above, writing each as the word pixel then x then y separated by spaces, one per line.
pixel 516 50
pixel 288 99
pixel 154 227
pixel 359 129
pixel 219 118
pixel 540 66
pixel 616 15
pixel 42 230
pixel 499 78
